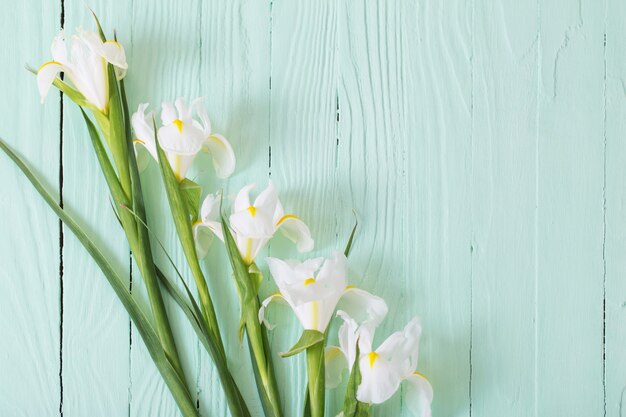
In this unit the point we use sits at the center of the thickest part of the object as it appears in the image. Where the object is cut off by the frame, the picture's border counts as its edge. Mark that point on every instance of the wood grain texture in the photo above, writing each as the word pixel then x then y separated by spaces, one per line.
pixel 615 213
pixel 480 142
pixel 570 187
pixel 503 208
pixel 95 329
pixel 234 79
pixel 303 142
pixel 173 31
pixel 29 247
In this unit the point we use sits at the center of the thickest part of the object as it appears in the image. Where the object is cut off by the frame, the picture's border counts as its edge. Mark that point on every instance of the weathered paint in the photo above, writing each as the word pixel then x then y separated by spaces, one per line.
pixel 480 142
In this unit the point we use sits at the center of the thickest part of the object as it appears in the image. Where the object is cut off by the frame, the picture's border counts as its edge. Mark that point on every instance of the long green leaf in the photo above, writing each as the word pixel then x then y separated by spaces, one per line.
pixel 308 339
pixel 351 406
pixel 105 163
pixel 236 402
pixel 190 308
pixel 149 336
pixel 257 337
pixel 315 367
pixel 139 244
pixel 346 252
pixel 117 132
pixel 180 215
pixel 143 251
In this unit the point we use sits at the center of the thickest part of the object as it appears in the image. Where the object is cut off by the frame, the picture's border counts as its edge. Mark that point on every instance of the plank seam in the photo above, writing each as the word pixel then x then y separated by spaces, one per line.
pixel 61 237
pixel 130 271
pixel 269 101
pixel 471 269
pixel 604 223
pixel 537 185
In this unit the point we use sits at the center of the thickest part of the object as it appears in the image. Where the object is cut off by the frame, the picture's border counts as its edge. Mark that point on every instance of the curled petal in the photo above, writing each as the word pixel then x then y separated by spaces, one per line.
pixel 113 52
pixel 184 112
pixel 205 122
pixel 144 155
pixel 222 155
pixel 46 76
pixel 203 236
pixel 143 127
pixel 336 363
pixel 297 231
pixel 242 201
pixel 419 395
pixel 274 297
pixel 348 334
pixel 168 113
pixel 363 307
pixel 210 210
pixel 267 198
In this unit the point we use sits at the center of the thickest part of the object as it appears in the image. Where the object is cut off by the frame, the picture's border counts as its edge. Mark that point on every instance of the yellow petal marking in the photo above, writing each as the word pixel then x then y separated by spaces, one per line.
pixel 177 168
pixel 349 287
pixel 197 222
pixel 114 43
pixel 315 313
pixel 285 217
pixel 252 210
pixel 309 281
pixel 139 141
pixel 248 256
pixel 422 375
pixel 179 124
pixel 45 64
pixel 372 357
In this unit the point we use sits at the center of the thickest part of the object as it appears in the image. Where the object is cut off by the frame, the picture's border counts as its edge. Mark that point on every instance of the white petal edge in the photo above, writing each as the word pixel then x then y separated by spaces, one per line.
pixel 210 207
pixel 363 307
pixel 242 201
pixel 419 396
pixel 45 77
pixel 294 229
pixel 336 363
pixel 203 237
pixel 274 297
pixel 222 155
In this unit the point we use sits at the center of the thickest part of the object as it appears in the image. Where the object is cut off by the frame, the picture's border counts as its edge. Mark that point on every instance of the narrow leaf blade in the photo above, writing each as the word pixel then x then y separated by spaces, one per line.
pixel 149 336
pixel 309 338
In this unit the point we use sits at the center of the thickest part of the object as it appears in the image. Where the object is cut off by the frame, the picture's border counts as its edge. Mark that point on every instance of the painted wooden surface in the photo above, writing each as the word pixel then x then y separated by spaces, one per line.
pixel 481 143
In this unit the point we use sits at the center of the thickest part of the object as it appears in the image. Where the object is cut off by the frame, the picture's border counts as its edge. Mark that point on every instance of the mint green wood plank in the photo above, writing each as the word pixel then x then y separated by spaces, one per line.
pixel 570 225
pixel 503 209
pixel 615 194
pixel 404 98
pixel 375 110
pixel 234 79
pixel 29 248
pixel 433 82
pixel 164 61
pixel 95 325
pixel 303 141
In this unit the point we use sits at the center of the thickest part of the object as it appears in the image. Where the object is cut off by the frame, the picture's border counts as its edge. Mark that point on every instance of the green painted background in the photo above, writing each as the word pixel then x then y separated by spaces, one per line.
pixel 480 141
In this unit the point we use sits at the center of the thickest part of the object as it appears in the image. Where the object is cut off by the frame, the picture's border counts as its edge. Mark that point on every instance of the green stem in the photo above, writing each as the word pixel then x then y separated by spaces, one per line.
pixel 146 265
pixel 142 323
pixel 262 361
pixel 140 247
pixel 315 372
pixel 208 310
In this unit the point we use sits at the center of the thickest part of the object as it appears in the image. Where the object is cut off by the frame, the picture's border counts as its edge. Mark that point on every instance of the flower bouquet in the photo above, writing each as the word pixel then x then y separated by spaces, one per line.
pixel 89 69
